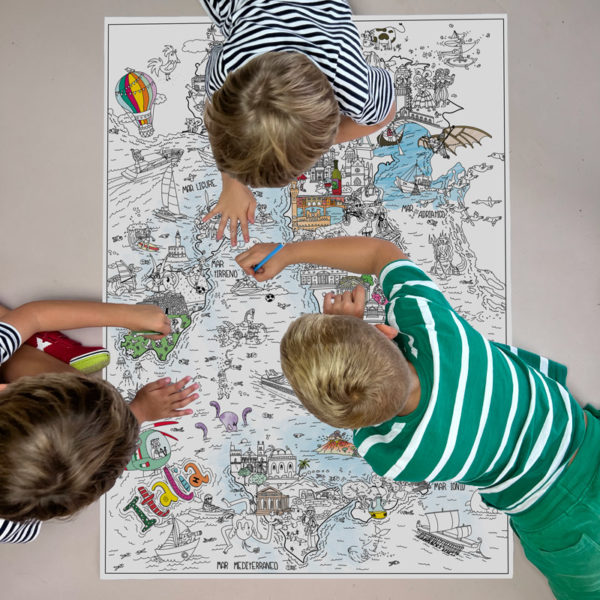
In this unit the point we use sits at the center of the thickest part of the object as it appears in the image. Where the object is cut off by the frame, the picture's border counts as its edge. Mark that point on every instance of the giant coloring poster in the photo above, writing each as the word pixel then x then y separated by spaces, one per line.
pixel 251 484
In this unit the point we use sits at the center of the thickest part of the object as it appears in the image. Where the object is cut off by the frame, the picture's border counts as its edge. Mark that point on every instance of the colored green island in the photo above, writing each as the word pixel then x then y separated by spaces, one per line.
pixel 137 345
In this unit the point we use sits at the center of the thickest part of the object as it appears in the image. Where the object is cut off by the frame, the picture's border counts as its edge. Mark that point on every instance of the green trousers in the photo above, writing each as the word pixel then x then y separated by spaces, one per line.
pixel 561 533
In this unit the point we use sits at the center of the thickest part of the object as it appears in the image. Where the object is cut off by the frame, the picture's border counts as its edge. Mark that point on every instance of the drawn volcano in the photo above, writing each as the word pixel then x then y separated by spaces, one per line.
pixel 336 444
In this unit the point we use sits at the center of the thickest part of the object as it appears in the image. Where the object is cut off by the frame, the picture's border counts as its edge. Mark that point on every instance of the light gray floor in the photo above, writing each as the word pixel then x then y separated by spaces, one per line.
pixel 51 107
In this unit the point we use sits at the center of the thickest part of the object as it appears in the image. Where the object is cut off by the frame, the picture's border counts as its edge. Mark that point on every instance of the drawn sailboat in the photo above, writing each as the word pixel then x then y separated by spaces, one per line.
pixel 181 542
pixel 444 531
pixel 389 138
pixel 169 211
pixel 419 181
pixel 124 280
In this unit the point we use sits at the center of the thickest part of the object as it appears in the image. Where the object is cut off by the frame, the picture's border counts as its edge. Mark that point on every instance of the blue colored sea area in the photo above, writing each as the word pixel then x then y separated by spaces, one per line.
pixel 402 164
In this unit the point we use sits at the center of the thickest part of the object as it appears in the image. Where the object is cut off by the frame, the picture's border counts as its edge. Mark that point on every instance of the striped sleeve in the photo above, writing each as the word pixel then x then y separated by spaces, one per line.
pixel 18 533
pixel 546 366
pixel 402 278
pixel 380 97
pixel 220 11
pixel 10 340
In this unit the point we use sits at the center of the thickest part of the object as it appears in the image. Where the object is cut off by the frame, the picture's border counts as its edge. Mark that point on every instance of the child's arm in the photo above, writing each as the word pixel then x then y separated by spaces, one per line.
pixel 162 399
pixel 356 254
pixel 49 315
pixel 351 130
pixel 236 205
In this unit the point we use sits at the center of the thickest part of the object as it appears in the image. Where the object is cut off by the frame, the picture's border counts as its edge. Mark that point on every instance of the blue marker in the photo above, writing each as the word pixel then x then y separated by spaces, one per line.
pixel 268 256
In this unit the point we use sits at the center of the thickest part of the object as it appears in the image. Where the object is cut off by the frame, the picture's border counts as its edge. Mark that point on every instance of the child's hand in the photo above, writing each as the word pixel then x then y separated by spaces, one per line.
pixel 248 259
pixel 349 303
pixel 161 399
pixel 236 205
pixel 149 317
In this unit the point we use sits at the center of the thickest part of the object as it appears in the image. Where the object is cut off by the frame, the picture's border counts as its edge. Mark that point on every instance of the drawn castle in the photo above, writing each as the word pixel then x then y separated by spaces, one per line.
pixel 313 211
pixel 276 464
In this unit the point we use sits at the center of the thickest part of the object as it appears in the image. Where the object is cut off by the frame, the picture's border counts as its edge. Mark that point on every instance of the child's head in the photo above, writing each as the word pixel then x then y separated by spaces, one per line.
pixel 64 440
pixel 344 371
pixel 272 120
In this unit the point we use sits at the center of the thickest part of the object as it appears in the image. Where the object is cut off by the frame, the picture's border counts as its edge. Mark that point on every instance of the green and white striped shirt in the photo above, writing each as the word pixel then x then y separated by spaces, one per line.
pixel 490 415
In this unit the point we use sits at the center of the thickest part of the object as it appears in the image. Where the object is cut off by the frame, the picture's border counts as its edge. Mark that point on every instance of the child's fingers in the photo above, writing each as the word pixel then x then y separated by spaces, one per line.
pixel 359 295
pixel 157 385
pixel 245 232
pixel 158 336
pixel 215 211
pixel 222 225
pixel 233 227
pixel 183 394
pixel 347 297
pixel 251 211
pixel 246 260
pixel 154 385
pixel 185 401
pixel 243 260
pixel 179 413
pixel 177 386
pixel 328 303
pixel 262 274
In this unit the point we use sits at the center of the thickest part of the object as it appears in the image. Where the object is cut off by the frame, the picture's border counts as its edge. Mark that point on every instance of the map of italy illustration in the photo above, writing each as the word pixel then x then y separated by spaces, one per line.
pixel 251 483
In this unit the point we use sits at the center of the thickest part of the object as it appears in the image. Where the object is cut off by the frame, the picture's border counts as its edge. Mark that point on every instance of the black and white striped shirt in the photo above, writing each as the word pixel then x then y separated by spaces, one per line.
pixel 18 533
pixel 10 340
pixel 10 532
pixel 321 29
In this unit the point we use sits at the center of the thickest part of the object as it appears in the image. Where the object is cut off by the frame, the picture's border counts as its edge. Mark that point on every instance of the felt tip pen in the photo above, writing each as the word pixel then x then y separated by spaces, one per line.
pixel 268 256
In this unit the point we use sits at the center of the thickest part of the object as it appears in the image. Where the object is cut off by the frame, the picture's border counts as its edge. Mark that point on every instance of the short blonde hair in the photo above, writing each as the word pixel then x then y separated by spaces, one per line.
pixel 272 120
pixel 64 440
pixel 344 371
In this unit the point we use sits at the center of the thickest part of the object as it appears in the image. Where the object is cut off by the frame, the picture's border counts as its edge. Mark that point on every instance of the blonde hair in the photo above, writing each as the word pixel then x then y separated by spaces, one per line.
pixel 344 371
pixel 64 440
pixel 272 120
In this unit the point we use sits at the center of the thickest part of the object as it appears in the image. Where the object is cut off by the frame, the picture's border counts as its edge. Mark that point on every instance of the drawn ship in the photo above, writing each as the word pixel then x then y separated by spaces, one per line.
pixel 415 181
pixel 181 542
pixel 456 57
pixel 139 236
pixel 389 138
pixel 277 383
pixel 144 166
pixel 169 211
pixel 245 287
pixel 444 531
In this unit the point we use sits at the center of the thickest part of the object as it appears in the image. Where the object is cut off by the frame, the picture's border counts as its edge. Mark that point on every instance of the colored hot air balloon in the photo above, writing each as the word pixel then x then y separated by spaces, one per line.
pixel 136 93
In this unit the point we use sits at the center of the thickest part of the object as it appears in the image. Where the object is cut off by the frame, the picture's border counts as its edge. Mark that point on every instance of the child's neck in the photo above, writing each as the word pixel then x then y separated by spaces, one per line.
pixel 414 393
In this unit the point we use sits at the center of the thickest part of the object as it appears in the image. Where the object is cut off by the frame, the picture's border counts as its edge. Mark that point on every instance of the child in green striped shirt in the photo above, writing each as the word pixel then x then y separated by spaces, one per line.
pixel 430 398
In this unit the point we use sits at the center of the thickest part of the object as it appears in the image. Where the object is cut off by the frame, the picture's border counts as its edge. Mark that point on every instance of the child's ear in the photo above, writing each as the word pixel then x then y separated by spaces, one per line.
pixel 387 330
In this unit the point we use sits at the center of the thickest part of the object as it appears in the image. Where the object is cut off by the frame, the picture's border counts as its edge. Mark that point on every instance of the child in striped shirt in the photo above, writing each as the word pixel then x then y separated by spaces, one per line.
pixel 288 82
pixel 66 437
pixel 429 398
